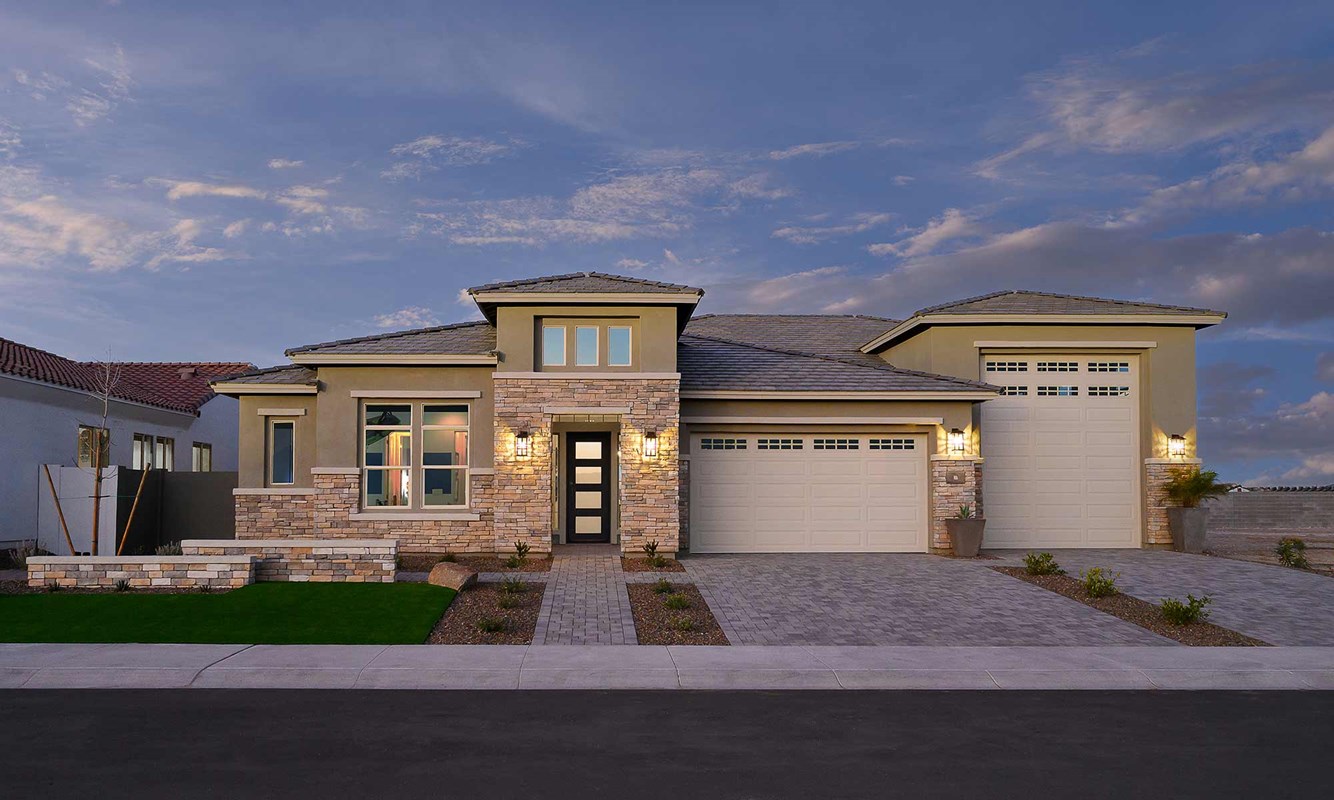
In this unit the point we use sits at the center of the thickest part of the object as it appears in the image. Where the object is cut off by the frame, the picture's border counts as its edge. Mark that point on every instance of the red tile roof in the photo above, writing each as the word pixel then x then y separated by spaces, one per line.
pixel 178 386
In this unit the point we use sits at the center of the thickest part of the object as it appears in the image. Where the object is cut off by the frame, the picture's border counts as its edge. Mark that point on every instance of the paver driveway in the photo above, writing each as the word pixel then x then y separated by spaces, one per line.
pixel 892 599
pixel 1275 604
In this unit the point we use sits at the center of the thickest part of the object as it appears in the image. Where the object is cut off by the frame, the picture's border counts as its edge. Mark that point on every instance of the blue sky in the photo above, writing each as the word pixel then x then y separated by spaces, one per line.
pixel 223 183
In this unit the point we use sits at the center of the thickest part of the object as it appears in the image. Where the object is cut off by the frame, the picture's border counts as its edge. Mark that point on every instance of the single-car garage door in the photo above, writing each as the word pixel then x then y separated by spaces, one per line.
pixel 779 492
pixel 1061 451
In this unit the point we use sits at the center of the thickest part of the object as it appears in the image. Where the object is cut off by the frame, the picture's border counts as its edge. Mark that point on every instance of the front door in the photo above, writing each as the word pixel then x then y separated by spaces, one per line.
pixel 588 487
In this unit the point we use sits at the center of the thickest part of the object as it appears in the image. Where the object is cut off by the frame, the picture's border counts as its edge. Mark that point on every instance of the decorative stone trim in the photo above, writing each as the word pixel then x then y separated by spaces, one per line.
pixel 1157 473
pixel 335 471
pixel 307 560
pixel 273 491
pixel 177 572
pixel 683 500
pixel 955 481
pixel 414 516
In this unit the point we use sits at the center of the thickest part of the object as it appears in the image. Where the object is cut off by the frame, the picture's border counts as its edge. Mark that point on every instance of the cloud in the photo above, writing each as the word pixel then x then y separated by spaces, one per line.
pixel 284 163
pixel 1228 388
pixel 813 150
pixel 794 288
pixel 35 231
pixel 951 225
pixel 10 140
pixel 857 223
pixel 410 317
pixel 303 199
pixel 631 264
pixel 1324 367
pixel 903 180
pixel 1318 467
pixel 669 257
pixel 180 190
pixel 1301 432
pixel 87 104
pixel 41 85
pixel 236 228
pixel 758 187
pixel 430 153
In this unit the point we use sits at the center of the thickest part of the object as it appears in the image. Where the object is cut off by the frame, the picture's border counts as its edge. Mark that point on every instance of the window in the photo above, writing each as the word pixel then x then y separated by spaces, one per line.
pixel 391 468
pixel 618 346
pixel 1007 366
pixel 1109 391
pixel 142 455
pixel 1014 391
pixel 779 444
pixel 282 452
pixel 94 440
pixel 1058 391
pixel 1058 366
pixel 837 444
pixel 893 444
pixel 722 444
pixel 1109 366
pixel 164 453
pixel 585 347
pixel 201 457
pixel 553 345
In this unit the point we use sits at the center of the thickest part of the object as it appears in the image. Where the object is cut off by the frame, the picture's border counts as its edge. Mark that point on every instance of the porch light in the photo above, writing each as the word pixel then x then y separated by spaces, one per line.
pixel 650 444
pixel 1176 446
pixel 523 444
pixel 954 442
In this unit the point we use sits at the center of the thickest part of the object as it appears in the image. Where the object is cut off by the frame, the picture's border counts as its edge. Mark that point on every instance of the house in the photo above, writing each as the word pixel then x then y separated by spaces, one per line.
pixel 160 415
pixel 597 408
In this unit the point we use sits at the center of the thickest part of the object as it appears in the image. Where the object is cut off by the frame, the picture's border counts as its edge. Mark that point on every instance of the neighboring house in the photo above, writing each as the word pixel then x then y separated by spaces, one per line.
pixel 162 415
pixel 597 408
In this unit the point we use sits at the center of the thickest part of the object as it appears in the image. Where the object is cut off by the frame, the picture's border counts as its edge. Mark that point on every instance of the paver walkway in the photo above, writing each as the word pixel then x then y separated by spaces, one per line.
pixel 1275 604
pixel 585 601
pixel 893 599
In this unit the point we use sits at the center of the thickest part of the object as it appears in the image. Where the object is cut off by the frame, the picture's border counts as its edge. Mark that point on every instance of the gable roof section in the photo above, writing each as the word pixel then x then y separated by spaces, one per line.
pixel 821 334
pixel 711 365
pixel 174 385
pixel 586 283
pixel 1017 301
pixel 460 339
pixel 288 379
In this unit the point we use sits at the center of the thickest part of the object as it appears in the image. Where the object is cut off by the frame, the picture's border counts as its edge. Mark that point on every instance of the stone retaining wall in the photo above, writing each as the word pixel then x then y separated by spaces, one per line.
pixel 177 572
pixel 1291 510
pixel 314 560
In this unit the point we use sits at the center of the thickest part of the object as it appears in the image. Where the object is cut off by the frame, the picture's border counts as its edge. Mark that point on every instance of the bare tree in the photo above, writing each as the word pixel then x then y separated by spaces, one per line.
pixel 106 376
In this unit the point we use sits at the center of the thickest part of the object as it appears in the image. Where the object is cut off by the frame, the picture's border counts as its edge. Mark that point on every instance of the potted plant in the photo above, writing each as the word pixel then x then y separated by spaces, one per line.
pixel 1189 522
pixel 966 532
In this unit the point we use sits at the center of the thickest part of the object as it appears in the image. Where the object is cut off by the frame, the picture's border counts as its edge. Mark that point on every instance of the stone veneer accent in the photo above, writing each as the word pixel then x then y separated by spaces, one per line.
pixel 279 512
pixel 648 491
pixel 1157 472
pixel 178 572
pixel 947 497
pixel 313 560
pixel 683 500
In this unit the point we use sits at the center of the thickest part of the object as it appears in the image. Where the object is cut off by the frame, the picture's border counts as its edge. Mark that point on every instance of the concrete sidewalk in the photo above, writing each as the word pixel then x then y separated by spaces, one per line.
pixel 105 666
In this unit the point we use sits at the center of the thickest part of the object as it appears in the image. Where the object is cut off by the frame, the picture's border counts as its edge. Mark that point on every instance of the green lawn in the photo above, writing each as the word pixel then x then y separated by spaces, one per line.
pixel 265 613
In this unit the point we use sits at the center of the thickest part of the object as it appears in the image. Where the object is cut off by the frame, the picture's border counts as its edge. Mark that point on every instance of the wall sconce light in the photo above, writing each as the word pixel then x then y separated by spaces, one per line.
pixel 523 444
pixel 954 442
pixel 650 444
pixel 1176 446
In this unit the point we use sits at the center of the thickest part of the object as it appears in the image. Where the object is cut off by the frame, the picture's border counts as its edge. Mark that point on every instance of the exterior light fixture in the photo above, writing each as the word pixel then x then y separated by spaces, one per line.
pixel 954 442
pixel 523 444
pixel 650 444
pixel 1176 446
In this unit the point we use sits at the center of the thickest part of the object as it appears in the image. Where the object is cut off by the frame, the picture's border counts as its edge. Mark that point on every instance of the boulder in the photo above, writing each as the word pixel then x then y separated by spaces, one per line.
pixel 451 576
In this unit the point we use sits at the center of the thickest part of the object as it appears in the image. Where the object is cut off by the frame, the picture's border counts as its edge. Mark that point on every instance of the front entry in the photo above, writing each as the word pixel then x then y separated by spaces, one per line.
pixel 588 487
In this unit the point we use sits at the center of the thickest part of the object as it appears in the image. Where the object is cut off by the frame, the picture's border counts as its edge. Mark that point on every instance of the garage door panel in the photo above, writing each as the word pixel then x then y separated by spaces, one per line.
pixel 1045 413
pixel 1107 414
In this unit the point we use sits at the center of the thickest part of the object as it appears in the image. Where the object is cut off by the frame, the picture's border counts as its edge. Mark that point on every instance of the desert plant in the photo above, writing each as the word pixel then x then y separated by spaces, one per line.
pixel 677 601
pixel 683 624
pixel 965 512
pixel 168 549
pixel 18 557
pixel 122 585
pixel 1291 552
pixel 1179 613
pixel 52 586
pixel 521 549
pixel 490 625
pixel 1042 564
pixel 651 554
pixel 205 589
pixel 663 587
pixel 1190 486
pixel 513 586
pixel 1098 582
pixel 507 600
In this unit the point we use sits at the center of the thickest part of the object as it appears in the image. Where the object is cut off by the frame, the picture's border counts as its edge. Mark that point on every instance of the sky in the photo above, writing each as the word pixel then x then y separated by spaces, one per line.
pixel 222 182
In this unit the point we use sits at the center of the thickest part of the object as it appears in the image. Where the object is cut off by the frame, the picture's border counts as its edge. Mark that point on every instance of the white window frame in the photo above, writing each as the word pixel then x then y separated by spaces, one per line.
pixel 417 469
pixel 629 345
pixel 197 451
pixel 99 439
pixel 564 346
pixel 268 456
pixel 141 453
pixel 597 345
pixel 167 444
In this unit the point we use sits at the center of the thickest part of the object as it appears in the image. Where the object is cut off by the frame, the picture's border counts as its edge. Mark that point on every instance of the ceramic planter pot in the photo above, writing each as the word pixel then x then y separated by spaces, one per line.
pixel 966 535
pixel 1188 526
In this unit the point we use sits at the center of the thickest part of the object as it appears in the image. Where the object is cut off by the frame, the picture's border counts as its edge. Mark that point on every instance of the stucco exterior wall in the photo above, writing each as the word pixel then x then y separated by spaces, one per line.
pixel 253 432
pixel 654 338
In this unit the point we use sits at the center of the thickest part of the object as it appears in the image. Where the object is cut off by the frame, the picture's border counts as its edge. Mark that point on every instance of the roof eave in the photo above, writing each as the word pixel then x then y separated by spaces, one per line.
pixel 234 389
pixel 909 327
pixel 394 359
pixel 685 302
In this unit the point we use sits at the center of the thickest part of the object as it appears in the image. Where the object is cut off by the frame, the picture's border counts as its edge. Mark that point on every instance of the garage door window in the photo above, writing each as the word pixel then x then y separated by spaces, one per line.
pixel 779 444
pixel 1058 391
pixel 722 444
pixel 1058 366
pixel 1109 366
pixel 891 444
pixel 1014 391
pixel 1007 366
pixel 1109 391
pixel 837 444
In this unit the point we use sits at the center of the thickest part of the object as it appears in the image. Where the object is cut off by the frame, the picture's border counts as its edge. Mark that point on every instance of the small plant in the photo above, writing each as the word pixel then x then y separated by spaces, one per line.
pixel 513 586
pixel 205 589
pixel 507 600
pixel 18 557
pixel 448 558
pixel 1042 564
pixel 52 586
pixel 1179 613
pixel 490 625
pixel 168 549
pixel 1291 552
pixel 683 624
pixel 1190 486
pixel 663 587
pixel 677 602
pixel 122 585
pixel 1098 582
pixel 651 554
pixel 521 549
pixel 965 512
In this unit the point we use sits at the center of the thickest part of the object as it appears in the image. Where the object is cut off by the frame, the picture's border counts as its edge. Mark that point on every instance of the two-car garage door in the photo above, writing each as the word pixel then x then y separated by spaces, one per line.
pixel 782 492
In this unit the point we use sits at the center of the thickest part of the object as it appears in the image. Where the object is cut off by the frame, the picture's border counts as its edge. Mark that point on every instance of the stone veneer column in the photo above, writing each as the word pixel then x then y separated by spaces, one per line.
pixel 648 488
pixel 683 501
pixel 947 494
pixel 272 513
pixel 1157 472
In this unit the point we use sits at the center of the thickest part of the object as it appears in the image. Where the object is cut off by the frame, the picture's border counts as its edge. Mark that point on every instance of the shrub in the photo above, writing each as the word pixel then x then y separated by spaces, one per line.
pixel 1179 613
pixel 513 586
pixel 206 589
pixel 1042 564
pixel 1098 582
pixel 448 558
pixel 507 600
pixel 521 549
pixel 651 554
pixel 169 549
pixel 18 557
pixel 52 586
pixel 683 624
pixel 1190 486
pixel 677 601
pixel 122 585
pixel 1292 553
pixel 490 625
pixel 663 587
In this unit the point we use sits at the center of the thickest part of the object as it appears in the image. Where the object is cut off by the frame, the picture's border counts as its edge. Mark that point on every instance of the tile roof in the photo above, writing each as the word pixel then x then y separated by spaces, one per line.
pixel 589 282
pixel 821 334
pixel 1025 302
pixel 461 338
pixel 289 374
pixel 178 386
pixel 713 363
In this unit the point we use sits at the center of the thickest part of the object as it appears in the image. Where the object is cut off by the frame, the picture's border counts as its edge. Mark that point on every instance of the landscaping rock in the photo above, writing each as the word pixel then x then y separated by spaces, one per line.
pixel 451 575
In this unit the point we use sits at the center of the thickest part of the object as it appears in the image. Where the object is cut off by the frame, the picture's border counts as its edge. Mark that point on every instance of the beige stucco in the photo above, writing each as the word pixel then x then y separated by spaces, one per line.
pixel 253 434
pixel 653 340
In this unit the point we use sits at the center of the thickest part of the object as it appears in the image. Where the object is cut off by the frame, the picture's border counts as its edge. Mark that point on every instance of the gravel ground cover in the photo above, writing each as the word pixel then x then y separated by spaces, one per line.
pixel 642 565
pixel 463 622
pixel 658 623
